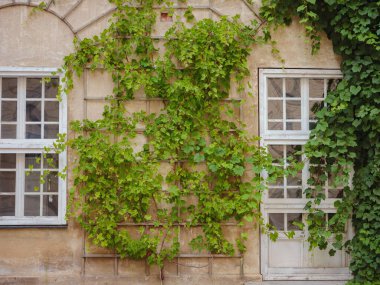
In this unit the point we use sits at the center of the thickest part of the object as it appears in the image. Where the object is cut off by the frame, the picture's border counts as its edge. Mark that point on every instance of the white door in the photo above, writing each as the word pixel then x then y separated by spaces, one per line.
pixel 288 100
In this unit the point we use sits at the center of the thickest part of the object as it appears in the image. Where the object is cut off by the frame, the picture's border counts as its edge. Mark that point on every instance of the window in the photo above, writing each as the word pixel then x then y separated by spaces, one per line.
pixel 30 119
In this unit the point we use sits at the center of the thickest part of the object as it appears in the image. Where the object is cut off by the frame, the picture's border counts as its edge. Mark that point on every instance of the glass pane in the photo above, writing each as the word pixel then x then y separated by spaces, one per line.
pixel 32 182
pixel 293 152
pixel 33 88
pixel 294 193
pixel 293 109
pixel 335 193
pixel 312 125
pixel 33 111
pixel 277 220
pixel 51 184
pixel 33 131
pixel 275 109
pixel 51 131
pixel 277 152
pixel 32 205
pixel 293 126
pixel 33 159
pixel 295 181
pixel 274 87
pixel 8 131
pixel 8 160
pixel 292 86
pixel 314 107
pixel 9 111
pixel 7 205
pixel 9 88
pixel 51 111
pixel 332 84
pixel 51 161
pixel 275 126
pixel 51 88
pixel 50 205
pixel 7 181
pixel 276 193
pixel 316 88
pixel 294 217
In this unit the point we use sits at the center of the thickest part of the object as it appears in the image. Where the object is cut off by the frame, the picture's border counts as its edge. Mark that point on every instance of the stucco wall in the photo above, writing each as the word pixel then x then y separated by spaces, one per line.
pixel 42 40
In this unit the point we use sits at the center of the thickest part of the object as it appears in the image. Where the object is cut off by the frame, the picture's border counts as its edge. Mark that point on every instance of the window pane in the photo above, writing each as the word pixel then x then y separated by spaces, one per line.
pixel 33 131
pixel 7 205
pixel 292 86
pixel 293 126
pixel 9 88
pixel 276 126
pixel 294 217
pixel 32 205
pixel 293 152
pixel 32 182
pixel 8 131
pixel 51 161
pixel 51 88
pixel 7 160
pixel 33 111
pixel 277 220
pixel 316 88
pixel 277 152
pixel 335 193
pixel 33 159
pixel 295 181
pixel 7 181
pixel 276 193
pixel 293 109
pixel 51 111
pixel 9 111
pixel 274 109
pixel 274 87
pixel 50 205
pixel 332 84
pixel 51 184
pixel 294 193
pixel 314 107
pixel 33 88
pixel 51 131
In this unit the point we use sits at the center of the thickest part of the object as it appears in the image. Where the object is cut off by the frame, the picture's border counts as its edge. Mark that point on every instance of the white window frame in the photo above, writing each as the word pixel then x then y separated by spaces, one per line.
pixel 23 146
pixel 292 205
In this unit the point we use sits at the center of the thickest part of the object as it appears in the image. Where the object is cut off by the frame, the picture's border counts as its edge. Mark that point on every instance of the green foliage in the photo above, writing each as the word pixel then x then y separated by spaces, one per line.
pixel 346 139
pixel 216 166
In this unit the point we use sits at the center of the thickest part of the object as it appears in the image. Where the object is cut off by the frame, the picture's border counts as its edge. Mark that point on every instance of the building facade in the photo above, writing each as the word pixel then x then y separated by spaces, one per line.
pixel 37 244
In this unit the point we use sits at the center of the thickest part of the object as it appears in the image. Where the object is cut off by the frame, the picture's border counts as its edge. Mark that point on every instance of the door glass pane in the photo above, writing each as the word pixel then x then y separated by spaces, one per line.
pixel 33 111
pixel 277 220
pixel 7 181
pixel 8 131
pixel 32 181
pixel 51 88
pixel 50 205
pixel 292 87
pixel 274 87
pixel 32 205
pixel 51 111
pixel 9 111
pixel 294 218
pixel 33 88
pixel 7 205
pixel 316 88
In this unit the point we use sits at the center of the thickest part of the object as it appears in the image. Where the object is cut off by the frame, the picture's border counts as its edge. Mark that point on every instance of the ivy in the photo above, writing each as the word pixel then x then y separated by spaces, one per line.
pixel 346 139
pixel 120 197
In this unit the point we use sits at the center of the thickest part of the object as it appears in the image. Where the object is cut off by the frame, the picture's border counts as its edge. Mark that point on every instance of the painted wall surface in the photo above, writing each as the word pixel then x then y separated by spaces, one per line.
pixel 56 256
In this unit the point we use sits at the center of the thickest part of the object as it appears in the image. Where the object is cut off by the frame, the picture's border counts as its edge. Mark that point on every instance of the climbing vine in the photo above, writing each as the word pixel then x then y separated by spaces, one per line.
pixel 120 196
pixel 346 140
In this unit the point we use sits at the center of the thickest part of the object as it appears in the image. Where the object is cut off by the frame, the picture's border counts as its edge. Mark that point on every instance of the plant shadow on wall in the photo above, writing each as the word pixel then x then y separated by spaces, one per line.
pixel 215 165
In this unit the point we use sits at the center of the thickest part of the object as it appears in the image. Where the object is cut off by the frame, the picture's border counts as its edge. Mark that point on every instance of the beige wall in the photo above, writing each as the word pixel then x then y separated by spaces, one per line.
pixel 55 255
